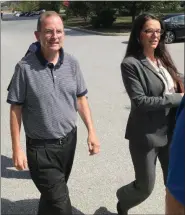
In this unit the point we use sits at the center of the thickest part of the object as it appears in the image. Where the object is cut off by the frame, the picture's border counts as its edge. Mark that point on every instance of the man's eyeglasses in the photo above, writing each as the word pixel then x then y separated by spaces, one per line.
pixel 152 31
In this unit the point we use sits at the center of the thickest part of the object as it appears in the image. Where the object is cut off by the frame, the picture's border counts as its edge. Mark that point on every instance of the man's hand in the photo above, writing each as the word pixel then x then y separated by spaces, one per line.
pixel 93 144
pixel 85 113
pixel 19 159
pixel 172 206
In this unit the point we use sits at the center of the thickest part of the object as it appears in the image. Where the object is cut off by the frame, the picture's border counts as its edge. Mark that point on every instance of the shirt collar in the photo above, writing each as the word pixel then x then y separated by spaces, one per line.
pixel 36 48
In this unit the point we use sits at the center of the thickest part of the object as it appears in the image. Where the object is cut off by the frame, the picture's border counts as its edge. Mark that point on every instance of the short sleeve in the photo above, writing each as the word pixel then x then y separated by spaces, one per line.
pixel 17 87
pixel 81 85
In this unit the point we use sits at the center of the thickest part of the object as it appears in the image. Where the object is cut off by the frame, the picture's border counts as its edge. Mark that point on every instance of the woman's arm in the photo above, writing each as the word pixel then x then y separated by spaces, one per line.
pixel 136 93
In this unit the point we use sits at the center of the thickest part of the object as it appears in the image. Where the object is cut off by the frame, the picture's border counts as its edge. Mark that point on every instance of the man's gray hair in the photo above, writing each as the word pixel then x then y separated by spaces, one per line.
pixel 44 16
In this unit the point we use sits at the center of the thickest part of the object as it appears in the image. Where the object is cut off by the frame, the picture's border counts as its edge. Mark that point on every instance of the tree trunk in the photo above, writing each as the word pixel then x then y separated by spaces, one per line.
pixel 133 10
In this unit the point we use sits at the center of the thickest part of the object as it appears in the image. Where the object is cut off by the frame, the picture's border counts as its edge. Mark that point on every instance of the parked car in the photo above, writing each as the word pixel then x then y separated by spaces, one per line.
pixel 17 14
pixel 38 12
pixel 175 27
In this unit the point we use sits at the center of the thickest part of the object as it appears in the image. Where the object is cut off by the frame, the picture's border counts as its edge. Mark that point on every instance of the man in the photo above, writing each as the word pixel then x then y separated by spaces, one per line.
pixel 46 91
pixel 175 191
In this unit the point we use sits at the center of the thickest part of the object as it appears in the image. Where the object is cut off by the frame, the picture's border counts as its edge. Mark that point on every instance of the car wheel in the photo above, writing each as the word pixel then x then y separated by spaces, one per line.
pixel 170 37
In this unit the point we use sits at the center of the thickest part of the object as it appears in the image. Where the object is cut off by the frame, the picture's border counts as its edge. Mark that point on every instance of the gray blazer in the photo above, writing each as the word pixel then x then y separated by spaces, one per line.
pixel 148 123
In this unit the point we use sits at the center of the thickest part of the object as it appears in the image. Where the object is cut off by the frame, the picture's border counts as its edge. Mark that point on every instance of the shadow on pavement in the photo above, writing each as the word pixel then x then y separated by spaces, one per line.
pixel 29 206
pixel 179 41
pixel 103 211
pixel 24 207
pixel 125 42
pixel 6 163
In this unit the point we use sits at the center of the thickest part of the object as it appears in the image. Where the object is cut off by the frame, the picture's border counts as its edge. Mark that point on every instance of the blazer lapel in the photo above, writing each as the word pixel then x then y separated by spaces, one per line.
pixel 145 62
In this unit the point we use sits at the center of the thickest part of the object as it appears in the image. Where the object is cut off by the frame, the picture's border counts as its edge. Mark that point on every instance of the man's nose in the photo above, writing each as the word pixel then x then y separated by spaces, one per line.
pixel 54 34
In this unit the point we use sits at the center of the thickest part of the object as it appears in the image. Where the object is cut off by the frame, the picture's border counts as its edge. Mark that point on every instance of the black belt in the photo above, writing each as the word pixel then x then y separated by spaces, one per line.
pixel 42 142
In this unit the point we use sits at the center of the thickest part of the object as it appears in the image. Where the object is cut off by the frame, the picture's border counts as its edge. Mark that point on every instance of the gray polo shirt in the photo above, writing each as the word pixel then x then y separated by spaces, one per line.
pixel 48 94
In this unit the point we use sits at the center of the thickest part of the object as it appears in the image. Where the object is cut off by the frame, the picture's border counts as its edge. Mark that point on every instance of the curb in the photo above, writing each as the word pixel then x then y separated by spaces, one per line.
pixel 96 32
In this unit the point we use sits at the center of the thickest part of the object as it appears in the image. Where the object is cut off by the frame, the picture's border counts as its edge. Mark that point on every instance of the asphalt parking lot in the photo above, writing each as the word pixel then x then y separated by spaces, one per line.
pixel 94 180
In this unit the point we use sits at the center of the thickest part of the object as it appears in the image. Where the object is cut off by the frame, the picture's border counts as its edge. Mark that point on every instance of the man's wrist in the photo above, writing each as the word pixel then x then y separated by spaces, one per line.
pixel 16 147
pixel 91 130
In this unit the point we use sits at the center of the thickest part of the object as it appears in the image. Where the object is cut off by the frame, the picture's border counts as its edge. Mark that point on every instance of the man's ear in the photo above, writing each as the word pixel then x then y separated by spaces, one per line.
pixel 37 35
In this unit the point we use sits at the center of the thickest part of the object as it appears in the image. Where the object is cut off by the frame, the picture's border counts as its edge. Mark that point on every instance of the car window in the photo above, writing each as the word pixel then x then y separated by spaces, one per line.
pixel 181 20
pixel 178 20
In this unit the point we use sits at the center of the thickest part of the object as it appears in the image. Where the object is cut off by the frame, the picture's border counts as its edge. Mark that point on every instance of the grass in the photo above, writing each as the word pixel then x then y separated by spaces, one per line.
pixel 121 25
pixel 124 19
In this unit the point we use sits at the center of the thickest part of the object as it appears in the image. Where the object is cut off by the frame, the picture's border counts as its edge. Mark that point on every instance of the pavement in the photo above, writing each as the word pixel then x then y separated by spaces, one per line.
pixel 94 180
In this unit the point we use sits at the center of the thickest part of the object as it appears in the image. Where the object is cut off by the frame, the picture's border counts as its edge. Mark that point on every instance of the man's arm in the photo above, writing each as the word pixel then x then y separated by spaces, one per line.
pixel 85 113
pixel 172 205
pixel 19 158
pixel 175 187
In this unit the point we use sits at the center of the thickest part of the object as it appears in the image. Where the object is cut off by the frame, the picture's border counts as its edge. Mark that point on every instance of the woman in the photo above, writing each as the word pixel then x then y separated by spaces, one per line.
pixel 155 90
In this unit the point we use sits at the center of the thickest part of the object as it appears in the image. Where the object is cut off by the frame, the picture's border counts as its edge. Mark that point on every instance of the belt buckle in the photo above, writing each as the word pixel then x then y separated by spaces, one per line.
pixel 61 141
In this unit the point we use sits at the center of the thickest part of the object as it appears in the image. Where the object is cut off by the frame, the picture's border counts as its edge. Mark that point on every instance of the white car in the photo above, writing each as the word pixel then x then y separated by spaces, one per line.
pixel 17 14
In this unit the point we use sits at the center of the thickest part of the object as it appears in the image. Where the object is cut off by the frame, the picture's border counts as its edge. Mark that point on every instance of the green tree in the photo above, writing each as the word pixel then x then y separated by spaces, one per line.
pixel 100 12
pixel 182 3
pixel 26 6
pixel 134 8
pixel 51 5
pixel 105 11
pixel 79 8
pixel 172 5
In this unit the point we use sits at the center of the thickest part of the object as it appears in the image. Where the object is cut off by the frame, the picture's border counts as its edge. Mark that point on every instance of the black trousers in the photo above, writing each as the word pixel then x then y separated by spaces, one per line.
pixel 144 161
pixel 50 163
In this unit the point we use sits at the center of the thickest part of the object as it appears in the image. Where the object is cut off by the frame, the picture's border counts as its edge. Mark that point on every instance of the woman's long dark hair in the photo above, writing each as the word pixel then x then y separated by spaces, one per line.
pixel 135 48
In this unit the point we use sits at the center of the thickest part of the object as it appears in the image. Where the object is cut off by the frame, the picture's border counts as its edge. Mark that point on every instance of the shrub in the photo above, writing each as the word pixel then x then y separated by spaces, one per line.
pixel 95 21
pixel 104 19
pixel 107 17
